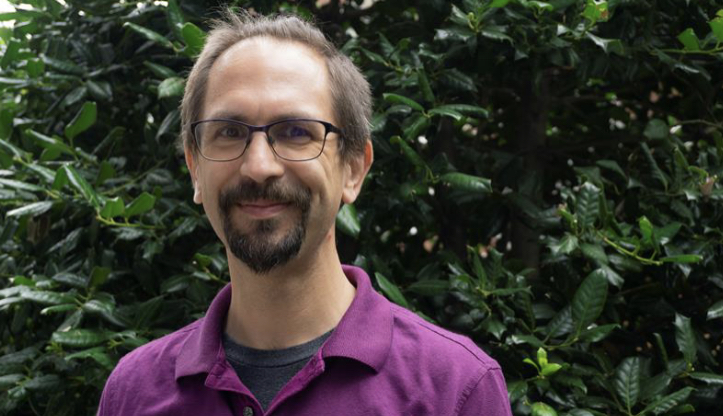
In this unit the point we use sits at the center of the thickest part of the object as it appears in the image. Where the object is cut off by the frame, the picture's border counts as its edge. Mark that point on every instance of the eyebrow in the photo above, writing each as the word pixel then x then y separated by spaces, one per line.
pixel 240 117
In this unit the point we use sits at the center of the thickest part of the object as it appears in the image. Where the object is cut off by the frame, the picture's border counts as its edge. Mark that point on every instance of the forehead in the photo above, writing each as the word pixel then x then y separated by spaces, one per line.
pixel 262 73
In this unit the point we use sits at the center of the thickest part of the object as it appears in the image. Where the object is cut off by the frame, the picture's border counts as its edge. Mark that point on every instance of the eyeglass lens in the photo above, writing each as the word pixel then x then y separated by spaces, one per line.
pixel 291 139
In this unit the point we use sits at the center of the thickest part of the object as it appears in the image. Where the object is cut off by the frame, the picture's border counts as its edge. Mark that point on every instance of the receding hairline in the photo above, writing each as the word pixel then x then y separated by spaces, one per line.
pixel 265 40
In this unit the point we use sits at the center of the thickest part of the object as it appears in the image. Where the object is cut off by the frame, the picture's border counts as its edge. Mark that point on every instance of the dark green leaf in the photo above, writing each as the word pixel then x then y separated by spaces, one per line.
pixel 100 90
pixel 50 142
pixel 391 290
pixel 347 220
pixel 466 109
pixel 142 204
pixel 79 338
pixel 171 87
pixel 589 300
pixel 685 338
pixel 71 279
pixel 34 209
pixel 441 111
pixel 666 403
pixel 83 120
pixel 46 297
pixel 459 80
pixel 13 184
pixel 79 183
pixel 62 66
pixel 715 311
pixel 656 129
pixel 627 382
pixel 594 252
pixel 468 183
pixel 423 82
pixel 96 353
pixel 175 16
pixel 160 71
pixel 654 386
pixel 410 153
pixel 598 333
pixel 587 208
pixel 150 34
pixel 708 378
pixel 429 287
pixel 399 99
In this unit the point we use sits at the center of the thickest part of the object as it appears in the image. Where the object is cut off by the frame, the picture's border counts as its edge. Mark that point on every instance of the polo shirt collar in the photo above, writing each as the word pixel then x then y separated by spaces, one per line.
pixel 364 333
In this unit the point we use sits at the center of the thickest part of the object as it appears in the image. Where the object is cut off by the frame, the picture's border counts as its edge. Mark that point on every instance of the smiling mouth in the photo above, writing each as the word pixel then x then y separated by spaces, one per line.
pixel 262 209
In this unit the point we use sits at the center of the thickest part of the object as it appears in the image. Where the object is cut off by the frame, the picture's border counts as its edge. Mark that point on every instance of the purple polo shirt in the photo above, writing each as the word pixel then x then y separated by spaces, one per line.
pixel 380 360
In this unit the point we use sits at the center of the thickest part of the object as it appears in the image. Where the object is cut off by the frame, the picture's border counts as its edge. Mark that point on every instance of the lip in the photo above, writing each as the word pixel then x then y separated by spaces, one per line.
pixel 262 209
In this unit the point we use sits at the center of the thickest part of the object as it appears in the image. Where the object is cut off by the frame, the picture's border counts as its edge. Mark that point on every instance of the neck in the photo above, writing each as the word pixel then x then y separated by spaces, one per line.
pixel 291 304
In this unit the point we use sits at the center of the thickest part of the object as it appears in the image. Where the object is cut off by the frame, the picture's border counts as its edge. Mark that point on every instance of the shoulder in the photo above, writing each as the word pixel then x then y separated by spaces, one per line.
pixel 463 377
pixel 411 331
pixel 159 352
pixel 148 365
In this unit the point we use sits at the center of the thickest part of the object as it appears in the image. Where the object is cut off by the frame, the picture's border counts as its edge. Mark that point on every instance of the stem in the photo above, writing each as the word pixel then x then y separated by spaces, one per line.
pixel 632 254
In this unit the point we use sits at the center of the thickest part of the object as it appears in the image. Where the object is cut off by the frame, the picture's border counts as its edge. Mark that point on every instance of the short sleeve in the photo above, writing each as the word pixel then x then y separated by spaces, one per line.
pixel 488 397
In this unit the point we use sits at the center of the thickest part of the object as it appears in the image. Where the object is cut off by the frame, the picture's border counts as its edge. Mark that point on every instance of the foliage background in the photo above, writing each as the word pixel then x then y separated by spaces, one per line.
pixel 546 182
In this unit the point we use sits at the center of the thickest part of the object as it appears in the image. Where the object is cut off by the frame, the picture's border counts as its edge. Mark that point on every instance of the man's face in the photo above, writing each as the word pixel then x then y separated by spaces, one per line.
pixel 267 210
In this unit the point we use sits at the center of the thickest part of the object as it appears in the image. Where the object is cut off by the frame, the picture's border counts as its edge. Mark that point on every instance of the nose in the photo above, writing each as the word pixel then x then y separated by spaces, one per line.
pixel 259 162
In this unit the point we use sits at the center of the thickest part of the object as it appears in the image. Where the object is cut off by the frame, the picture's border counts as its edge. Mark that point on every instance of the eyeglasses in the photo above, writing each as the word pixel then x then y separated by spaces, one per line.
pixel 296 140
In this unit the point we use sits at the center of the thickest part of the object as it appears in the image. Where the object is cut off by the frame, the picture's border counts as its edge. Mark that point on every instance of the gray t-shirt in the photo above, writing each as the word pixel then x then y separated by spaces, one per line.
pixel 265 372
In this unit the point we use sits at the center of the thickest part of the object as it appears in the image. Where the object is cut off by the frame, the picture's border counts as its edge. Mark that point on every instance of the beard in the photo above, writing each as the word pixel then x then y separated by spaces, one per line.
pixel 256 248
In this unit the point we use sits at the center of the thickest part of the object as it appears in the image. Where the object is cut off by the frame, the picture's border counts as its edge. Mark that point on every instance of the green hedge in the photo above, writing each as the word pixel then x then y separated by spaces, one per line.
pixel 546 181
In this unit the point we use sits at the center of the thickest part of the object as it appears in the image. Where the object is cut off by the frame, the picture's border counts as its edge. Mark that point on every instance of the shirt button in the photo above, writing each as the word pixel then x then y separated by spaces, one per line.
pixel 248 411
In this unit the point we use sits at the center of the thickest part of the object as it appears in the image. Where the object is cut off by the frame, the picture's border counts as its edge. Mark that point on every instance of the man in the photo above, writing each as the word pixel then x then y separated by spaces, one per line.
pixel 276 137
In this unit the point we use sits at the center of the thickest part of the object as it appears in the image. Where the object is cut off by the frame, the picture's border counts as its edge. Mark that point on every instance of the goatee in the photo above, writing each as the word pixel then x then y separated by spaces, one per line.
pixel 256 248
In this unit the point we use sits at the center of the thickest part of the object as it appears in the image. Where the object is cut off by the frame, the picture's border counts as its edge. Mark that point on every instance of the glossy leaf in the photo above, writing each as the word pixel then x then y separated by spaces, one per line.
pixel 46 297
pixel 83 120
pixel 391 290
pixel 150 34
pixel 113 207
pixel 542 409
pixel 685 338
pixel 467 183
pixel 399 99
pixel 689 40
pixel 627 382
pixel 171 87
pixel 79 338
pixel 587 208
pixel 347 220
pixel 194 38
pixel 666 403
pixel 589 300
pixel 34 209
pixel 82 185
pixel 142 204
pixel 715 311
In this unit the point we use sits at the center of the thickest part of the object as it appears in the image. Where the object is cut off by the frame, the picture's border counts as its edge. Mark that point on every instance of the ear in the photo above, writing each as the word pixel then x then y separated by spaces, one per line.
pixel 356 170
pixel 193 169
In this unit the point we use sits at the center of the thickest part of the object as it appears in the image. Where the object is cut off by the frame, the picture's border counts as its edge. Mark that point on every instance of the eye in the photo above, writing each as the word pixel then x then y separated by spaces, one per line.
pixel 230 131
pixel 293 131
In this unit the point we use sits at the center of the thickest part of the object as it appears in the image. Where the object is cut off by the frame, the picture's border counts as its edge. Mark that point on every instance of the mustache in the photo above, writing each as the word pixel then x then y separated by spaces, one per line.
pixel 249 191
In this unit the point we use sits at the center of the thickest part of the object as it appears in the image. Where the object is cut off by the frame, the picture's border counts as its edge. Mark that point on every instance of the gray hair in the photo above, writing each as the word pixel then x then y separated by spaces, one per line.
pixel 350 91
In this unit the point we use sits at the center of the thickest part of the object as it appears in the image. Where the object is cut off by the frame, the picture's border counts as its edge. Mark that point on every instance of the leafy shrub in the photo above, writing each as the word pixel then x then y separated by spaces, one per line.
pixel 551 170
